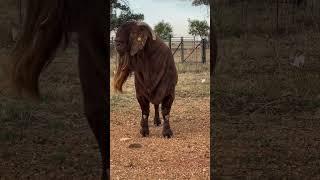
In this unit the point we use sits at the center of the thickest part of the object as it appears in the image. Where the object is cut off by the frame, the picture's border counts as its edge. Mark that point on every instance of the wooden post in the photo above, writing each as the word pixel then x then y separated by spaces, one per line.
pixel 203 54
pixel 112 44
pixel 194 45
pixel 277 16
pixel 242 15
pixel 293 12
pixel 170 41
pixel 20 12
pixel 182 49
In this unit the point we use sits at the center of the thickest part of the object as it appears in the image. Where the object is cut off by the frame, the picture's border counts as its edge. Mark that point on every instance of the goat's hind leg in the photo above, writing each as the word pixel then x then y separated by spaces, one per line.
pixel 156 119
pixel 166 108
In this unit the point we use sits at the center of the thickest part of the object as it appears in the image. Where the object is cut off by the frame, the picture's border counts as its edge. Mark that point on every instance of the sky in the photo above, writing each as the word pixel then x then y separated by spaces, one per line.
pixel 175 12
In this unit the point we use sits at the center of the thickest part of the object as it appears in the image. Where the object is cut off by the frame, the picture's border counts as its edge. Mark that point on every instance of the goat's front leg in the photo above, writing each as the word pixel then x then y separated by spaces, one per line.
pixel 145 108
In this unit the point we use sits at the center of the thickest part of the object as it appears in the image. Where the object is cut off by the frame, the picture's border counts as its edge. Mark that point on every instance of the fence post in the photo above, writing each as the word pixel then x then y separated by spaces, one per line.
pixel 182 49
pixel 20 12
pixel 277 26
pixel 112 45
pixel 203 54
pixel 194 46
pixel 170 41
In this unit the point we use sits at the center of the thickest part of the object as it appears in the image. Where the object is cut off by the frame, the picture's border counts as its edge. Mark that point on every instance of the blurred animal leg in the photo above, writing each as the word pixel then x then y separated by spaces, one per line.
pixel 93 71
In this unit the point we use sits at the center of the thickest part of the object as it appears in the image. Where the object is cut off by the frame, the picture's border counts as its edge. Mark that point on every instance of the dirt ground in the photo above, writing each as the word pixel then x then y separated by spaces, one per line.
pixel 266 111
pixel 185 156
pixel 51 139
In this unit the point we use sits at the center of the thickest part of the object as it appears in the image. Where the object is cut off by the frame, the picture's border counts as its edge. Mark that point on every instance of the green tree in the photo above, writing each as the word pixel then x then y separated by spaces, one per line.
pixel 125 14
pixel 163 30
pixel 200 2
pixel 198 28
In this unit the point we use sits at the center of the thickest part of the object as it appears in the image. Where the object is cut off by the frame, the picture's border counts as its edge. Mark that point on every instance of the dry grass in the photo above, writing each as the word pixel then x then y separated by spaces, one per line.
pixel 50 140
pixel 38 138
pixel 266 111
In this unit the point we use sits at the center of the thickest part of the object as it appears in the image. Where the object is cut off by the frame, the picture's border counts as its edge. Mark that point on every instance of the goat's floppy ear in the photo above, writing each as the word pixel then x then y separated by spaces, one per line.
pixel 139 38
pixel 145 25
pixel 138 41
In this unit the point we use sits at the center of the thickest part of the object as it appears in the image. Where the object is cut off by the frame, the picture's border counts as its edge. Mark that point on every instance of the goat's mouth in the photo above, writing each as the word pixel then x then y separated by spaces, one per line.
pixel 120 51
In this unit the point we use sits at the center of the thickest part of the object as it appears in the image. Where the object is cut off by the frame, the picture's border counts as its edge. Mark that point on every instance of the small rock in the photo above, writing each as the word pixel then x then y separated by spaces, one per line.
pixel 124 139
pixel 203 80
pixel 128 164
pixel 135 145
pixel 204 169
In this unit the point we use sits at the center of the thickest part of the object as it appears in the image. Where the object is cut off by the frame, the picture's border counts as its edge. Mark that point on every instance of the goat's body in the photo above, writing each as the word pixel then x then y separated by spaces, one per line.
pixel 155 74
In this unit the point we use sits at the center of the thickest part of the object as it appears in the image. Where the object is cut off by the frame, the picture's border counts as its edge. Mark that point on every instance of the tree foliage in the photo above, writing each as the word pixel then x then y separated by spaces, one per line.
pixel 198 28
pixel 163 30
pixel 125 14
pixel 200 2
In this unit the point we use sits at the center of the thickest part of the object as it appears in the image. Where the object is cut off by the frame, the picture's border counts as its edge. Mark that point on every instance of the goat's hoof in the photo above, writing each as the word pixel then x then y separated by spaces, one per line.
pixel 167 133
pixel 144 132
pixel 157 121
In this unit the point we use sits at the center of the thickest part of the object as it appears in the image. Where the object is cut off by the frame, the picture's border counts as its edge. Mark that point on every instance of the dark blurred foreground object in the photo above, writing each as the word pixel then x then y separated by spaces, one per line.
pixel 47 25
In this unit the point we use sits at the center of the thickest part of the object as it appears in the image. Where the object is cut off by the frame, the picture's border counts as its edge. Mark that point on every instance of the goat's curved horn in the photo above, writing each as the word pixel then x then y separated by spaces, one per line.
pixel 140 23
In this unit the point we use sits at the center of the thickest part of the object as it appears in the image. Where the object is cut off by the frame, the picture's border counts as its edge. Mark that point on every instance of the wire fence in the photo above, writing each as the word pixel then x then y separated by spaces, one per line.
pixel 280 31
pixel 184 49
pixel 236 17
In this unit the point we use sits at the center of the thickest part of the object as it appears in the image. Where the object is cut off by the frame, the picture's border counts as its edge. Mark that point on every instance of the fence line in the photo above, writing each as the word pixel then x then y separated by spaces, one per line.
pixel 280 16
pixel 187 47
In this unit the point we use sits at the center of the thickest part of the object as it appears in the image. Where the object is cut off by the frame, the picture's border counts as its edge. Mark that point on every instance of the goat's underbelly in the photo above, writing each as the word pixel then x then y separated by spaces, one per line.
pixel 156 95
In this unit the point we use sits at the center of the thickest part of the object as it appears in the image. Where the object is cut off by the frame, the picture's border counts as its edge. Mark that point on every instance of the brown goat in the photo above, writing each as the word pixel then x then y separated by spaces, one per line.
pixel 155 75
